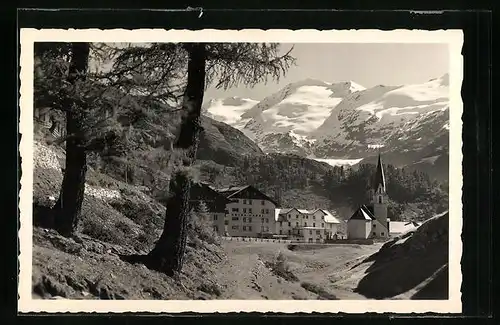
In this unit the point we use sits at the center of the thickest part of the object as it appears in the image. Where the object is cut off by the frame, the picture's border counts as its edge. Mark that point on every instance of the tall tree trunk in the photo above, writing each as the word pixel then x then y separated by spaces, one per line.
pixel 68 207
pixel 168 254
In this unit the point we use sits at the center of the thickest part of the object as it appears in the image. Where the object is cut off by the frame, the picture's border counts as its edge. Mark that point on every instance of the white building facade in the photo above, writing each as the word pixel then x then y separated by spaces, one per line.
pixel 313 226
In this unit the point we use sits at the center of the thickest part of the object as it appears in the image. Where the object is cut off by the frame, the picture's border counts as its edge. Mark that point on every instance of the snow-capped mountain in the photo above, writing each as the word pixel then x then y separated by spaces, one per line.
pixel 300 107
pixel 396 116
pixel 325 120
pixel 229 110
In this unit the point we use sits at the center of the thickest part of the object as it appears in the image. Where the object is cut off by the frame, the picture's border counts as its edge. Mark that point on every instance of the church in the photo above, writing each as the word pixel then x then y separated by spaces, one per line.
pixel 370 221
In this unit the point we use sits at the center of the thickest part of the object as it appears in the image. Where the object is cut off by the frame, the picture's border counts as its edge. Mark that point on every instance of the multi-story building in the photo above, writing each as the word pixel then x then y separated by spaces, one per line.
pixel 306 225
pixel 250 213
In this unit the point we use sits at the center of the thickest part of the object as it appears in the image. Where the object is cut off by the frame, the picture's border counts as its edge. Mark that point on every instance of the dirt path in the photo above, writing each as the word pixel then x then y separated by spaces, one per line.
pixel 245 275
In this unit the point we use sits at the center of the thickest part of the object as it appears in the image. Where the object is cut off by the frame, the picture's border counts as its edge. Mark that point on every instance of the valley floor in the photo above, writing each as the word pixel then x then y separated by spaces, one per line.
pixel 246 276
pixel 88 269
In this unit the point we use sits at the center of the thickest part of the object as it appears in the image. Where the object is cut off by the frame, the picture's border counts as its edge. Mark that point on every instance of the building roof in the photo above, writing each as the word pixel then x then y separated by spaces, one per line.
pixel 400 227
pixel 230 191
pixel 329 217
pixel 237 191
pixel 379 178
pixel 362 213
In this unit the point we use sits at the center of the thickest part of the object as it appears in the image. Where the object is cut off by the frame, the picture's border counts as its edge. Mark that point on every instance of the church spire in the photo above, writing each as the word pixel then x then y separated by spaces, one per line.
pixel 379 178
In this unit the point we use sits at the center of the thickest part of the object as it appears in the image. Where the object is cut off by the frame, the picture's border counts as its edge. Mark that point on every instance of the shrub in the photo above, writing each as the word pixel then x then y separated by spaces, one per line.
pixel 202 227
pixel 280 267
pixel 123 227
pixel 96 229
pixel 147 237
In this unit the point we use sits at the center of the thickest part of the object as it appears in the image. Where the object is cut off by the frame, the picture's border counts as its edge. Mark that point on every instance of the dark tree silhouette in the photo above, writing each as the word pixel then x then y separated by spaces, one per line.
pixel 93 103
pixel 69 204
pixel 221 64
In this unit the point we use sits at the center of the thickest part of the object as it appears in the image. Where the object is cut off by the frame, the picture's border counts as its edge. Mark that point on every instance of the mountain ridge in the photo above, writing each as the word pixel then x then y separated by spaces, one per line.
pixel 317 119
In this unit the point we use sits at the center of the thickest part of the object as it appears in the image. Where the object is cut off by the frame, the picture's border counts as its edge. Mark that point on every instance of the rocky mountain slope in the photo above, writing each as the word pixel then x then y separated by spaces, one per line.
pixel 313 118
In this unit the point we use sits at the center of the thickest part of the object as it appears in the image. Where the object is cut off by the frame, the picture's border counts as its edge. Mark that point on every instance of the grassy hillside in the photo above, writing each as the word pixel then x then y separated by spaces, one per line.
pixel 118 219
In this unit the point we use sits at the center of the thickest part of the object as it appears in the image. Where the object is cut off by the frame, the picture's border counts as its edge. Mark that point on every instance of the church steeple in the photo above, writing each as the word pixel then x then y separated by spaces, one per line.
pixel 379 178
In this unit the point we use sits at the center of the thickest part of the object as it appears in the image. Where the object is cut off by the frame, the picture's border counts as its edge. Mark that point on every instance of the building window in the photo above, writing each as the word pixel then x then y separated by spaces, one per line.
pixel 263 202
pixel 235 227
pixel 314 224
pixel 216 229
pixel 249 210
pixel 215 217
pixel 374 225
pixel 267 210
pixel 235 218
pixel 317 232
pixel 322 225
pixel 281 232
pixel 382 233
pixel 267 220
pixel 226 222
pixel 262 211
pixel 262 220
pixel 249 228
pixel 289 224
pixel 307 217
pixel 289 232
pixel 288 216
pixel 281 224
pixel 296 216
pixel 244 219
pixel 374 233
pixel 249 201
pixel 234 209
pixel 314 217
pixel 379 199
pixel 305 224
pixel 249 219
pixel 244 228
pixel 297 224
pixel 310 240
pixel 244 210
pixel 310 232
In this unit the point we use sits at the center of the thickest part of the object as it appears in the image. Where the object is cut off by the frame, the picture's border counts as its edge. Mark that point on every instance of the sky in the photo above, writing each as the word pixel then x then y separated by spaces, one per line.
pixel 366 64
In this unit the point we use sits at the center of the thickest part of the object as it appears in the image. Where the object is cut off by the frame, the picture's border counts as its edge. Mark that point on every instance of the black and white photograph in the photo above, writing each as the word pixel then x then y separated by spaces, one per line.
pixel 319 168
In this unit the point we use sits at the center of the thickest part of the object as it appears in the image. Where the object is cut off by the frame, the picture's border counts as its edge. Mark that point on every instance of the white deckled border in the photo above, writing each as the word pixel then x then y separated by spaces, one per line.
pixel 454 39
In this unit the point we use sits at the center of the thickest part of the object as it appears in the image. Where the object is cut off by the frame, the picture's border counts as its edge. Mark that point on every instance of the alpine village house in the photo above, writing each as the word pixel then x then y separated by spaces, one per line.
pixel 244 211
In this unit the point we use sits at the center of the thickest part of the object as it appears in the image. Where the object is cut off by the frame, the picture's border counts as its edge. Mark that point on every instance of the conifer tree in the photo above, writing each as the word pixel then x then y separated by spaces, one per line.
pixel 220 64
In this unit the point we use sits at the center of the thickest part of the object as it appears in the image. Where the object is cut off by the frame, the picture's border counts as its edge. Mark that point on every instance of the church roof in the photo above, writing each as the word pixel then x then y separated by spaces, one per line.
pixel 379 177
pixel 362 213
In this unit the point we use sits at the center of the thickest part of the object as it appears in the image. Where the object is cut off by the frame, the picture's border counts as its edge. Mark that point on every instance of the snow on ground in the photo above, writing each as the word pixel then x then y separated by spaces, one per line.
pixel 101 193
pixel 339 162
pixel 430 160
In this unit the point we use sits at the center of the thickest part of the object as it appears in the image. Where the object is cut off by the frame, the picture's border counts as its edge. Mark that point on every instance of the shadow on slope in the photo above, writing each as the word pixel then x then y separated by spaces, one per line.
pixel 409 260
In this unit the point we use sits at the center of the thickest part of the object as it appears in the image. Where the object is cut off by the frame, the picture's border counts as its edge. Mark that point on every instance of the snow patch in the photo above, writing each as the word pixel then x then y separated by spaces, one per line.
pixel 339 162
pixel 101 193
